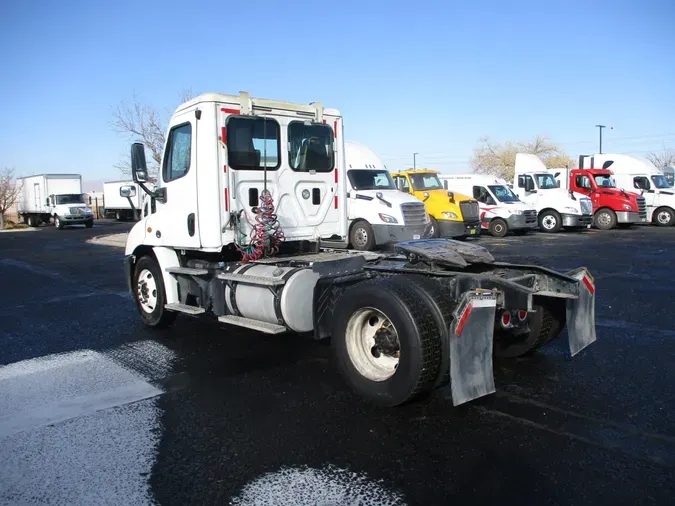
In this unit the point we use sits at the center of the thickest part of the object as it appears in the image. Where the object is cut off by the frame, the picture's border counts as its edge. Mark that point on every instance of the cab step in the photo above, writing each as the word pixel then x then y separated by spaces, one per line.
pixel 267 328
pixel 184 308
pixel 186 270
pixel 251 280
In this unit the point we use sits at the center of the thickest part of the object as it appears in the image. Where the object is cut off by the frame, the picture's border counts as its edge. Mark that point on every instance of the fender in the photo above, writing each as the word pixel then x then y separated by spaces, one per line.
pixel 167 257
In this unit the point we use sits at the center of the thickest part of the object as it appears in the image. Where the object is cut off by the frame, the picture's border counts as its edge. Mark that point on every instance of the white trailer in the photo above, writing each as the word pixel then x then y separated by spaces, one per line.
pixel 247 218
pixel 53 196
pixel 122 207
pixel 501 210
pixel 378 212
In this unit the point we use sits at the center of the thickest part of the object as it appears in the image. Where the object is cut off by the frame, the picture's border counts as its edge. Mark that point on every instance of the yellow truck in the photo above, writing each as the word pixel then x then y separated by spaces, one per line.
pixel 452 214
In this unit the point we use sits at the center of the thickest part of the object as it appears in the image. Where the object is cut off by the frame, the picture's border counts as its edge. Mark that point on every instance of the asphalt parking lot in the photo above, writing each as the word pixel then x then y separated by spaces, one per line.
pixel 97 409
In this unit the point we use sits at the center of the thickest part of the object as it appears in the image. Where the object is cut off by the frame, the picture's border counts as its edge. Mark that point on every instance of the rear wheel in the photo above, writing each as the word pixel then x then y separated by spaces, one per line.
pixel 664 217
pixel 362 236
pixel 150 295
pixel 386 341
pixel 605 219
pixel 550 221
pixel 498 227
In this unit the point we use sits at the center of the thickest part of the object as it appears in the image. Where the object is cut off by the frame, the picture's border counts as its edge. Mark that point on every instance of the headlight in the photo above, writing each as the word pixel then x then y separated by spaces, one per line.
pixel 627 207
pixel 450 216
pixel 571 210
pixel 515 211
pixel 387 219
pixel 87 211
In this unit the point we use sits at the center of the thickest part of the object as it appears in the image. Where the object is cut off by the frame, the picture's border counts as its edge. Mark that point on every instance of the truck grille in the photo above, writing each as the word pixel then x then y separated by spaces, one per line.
pixel 530 216
pixel 586 206
pixel 76 210
pixel 470 210
pixel 642 207
pixel 414 213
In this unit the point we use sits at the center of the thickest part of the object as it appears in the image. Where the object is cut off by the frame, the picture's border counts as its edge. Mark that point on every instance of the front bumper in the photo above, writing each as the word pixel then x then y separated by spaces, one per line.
pixel 76 219
pixel 386 234
pixel 628 217
pixel 459 228
pixel 520 222
pixel 577 220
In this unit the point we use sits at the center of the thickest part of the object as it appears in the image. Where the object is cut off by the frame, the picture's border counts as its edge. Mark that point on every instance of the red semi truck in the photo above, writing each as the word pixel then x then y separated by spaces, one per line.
pixel 611 206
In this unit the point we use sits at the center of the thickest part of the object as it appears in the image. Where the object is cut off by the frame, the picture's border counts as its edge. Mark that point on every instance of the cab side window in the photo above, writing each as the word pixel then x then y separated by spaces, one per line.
pixel 526 182
pixel 583 182
pixel 404 182
pixel 641 183
pixel 178 153
pixel 482 195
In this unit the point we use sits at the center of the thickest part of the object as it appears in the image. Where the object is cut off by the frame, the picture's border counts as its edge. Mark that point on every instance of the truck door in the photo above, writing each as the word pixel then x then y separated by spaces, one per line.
pixel 583 184
pixel 176 222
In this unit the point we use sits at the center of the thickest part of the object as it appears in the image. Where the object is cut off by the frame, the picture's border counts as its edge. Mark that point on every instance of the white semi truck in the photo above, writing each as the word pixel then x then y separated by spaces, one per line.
pixel 638 175
pixel 244 224
pixel 378 212
pixel 122 207
pixel 556 208
pixel 501 210
pixel 56 197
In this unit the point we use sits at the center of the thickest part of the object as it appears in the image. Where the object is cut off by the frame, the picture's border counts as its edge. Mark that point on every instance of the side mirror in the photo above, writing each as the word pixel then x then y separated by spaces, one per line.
pixel 139 169
pixel 89 200
pixel 127 191
pixel 400 184
pixel 426 195
pixel 529 185
pixel 451 195
pixel 47 201
pixel 557 184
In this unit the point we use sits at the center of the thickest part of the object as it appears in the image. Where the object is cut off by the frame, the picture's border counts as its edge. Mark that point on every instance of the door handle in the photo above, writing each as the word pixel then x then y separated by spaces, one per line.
pixel 316 196
pixel 191 224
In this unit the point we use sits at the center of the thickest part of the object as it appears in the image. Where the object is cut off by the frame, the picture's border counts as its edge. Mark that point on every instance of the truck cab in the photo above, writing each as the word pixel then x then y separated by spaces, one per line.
pixel 556 208
pixel 501 210
pixel 378 213
pixel 612 207
pixel 452 214
pixel 69 209
pixel 641 176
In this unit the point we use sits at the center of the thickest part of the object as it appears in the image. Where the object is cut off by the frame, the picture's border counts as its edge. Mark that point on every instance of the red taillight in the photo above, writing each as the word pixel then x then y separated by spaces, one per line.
pixel 506 318
pixel 522 315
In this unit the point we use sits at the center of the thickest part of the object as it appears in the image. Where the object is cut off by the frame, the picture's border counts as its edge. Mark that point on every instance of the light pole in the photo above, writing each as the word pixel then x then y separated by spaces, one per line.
pixel 600 127
pixel 415 160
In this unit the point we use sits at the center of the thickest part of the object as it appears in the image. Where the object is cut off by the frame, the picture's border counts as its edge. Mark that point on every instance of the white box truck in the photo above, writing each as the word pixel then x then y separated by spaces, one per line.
pixel 56 197
pixel 122 207
pixel 379 213
pixel 501 210
pixel 239 235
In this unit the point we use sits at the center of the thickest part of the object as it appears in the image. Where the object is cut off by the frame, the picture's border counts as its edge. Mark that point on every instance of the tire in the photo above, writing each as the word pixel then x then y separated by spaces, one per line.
pixel 546 323
pixel 435 229
pixel 604 219
pixel 89 224
pixel 386 380
pixel 550 221
pixel 664 217
pixel 58 223
pixel 31 221
pixel 152 310
pixel 361 236
pixel 118 216
pixel 498 228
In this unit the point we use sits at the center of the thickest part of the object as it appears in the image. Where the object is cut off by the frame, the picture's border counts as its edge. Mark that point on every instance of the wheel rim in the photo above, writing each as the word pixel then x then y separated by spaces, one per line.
pixel 147 291
pixel 360 237
pixel 57 222
pixel 549 222
pixel 498 228
pixel 604 219
pixel 372 344
pixel 663 217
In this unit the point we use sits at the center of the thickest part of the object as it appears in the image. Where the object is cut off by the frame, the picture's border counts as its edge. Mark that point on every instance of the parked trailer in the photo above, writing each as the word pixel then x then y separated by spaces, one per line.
pixel 53 196
pixel 430 313
pixel 122 207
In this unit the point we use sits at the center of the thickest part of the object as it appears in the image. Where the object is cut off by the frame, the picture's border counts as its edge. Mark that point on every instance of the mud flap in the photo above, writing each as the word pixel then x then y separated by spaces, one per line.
pixel 471 336
pixel 581 312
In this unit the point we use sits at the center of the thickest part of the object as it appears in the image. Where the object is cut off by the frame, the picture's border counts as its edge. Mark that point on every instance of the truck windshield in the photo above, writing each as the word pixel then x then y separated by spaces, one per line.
pixel 362 179
pixel 604 181
pixel 660 182
pixel 503 193
pixel 60 200
pixel 545 181
pixel 426 182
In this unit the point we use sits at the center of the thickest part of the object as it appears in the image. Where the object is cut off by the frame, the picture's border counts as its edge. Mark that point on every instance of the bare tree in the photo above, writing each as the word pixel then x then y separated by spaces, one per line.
pixel 665 158
pixel 144 123
pixel 500 159
pixel 10 190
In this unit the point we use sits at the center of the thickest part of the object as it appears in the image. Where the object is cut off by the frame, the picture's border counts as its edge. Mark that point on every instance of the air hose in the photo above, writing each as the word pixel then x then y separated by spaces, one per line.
pixel 266 234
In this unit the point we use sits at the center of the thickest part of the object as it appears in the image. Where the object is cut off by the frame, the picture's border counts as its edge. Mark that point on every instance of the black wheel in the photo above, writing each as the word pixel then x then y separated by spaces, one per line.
pixel 89 224
pixel 150 295
pixel 664 216
pixel 31 221
pixel 118 216
pixel 435 229
pixel 498 227
pixel 550 221
pixel 362 236
pixel 546 323
pixel 604 219
pixel 386 341
pixel 58 223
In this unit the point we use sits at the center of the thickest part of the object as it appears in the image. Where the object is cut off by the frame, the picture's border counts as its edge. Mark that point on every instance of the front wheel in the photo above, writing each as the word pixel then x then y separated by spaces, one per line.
pixel 664 217
pixel 58 223
pixel 605 219
pixel 362 236
pixel 386 341
pixel 150 295
pixel 550 221
pixel 497 227
pixel 89 224
pixel 435 229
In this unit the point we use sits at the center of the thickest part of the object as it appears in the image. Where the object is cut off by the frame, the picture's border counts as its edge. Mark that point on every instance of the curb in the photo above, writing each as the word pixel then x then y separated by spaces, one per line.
pixel 114 240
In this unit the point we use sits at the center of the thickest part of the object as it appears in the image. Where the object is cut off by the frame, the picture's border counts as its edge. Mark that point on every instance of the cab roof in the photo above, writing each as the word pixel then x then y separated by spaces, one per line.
pixel 243 98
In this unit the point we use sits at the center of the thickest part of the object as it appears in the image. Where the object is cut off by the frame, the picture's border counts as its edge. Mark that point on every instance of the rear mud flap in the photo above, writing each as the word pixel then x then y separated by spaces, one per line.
pixel 471 336
pixel 581 312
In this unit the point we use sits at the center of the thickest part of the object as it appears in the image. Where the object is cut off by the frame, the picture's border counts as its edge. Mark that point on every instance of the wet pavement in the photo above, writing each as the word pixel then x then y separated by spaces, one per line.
pixel 97 409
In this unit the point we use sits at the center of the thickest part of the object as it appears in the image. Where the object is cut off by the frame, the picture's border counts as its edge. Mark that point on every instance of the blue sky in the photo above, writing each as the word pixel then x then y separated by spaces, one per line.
pixel 426 77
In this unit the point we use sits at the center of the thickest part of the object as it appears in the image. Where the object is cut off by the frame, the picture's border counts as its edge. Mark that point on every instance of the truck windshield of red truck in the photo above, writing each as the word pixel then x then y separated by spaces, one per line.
pixel 604 181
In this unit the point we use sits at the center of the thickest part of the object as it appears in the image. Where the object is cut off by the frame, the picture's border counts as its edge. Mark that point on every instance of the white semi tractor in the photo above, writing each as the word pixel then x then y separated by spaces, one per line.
pixel 123 207
pixel 248 223
pixel 379 214
pixel 56 197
